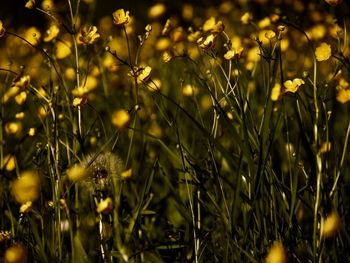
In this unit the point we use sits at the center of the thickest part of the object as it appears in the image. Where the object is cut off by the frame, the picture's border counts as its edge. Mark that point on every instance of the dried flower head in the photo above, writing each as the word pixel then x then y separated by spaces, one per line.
pixel 103 168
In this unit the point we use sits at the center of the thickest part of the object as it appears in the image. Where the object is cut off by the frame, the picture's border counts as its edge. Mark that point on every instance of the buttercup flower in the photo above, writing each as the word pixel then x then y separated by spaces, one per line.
pixel 89 35
pixel 51 33
pixel 26 187
pixel 246 18
pixel 293 86
pixel 16 254
pixel 63 50
pixel 334 2
pixel 233 53
pixel 276 92
pixel 276 254
pixel 77 172
pixel 30 4
pixel 323 52
pixel 330 225
pixel 120 118
pixel 206 43
pixel 105 206
pixel 120 17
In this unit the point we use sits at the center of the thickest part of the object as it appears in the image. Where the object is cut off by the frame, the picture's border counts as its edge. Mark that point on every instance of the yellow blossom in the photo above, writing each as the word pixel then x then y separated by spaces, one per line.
pixel 276 254
pixel 188 90
pixel 265 22
pixel 276 92
pixel 51 33
pixel 120 118
pixel 22 81
pixel 105 206
pixel 323 52
pixel 233 53
pixel 16 254
pixel 13 128
pixel 126 174
pixel 246 18
pixel 167 56
pixel 26 207
pixel 330 225
pixel 62 50
pixel 30 4
pixel 120 17
pixel 143 74
pixel 343 95
pixel 2 29
pixel 78 101
pixel 77 172
pixel 156 11
pixel 212 26
pixel 32 35
pixel 293 86
pixel 206 43
pixel 89 35
pixel 26 187
pixel 10 162
pixel 20 115
pixel 21 98
pixel 31 132
pixel 167 27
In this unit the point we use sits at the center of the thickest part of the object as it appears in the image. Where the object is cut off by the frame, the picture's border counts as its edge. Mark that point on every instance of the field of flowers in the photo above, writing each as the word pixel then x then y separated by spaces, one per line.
pixel 175 131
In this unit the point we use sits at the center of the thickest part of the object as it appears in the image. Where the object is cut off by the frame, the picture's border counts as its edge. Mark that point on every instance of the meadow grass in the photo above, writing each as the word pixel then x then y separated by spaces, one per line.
pixel 211 134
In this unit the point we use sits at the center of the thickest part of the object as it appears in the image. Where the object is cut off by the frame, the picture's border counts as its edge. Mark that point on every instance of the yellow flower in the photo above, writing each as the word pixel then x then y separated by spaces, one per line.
pixel 233 53
pixel 21 98
pixel 156 11
pixel 16 254
pixel 167 27
pixel 13 128
pixel 143 74
pixel 293 86
pixel 89 35
pixel 79 101
pixel 330 225
pixel 265 22
pixel 2 29
pixel 126 174
pixel 30 4
pixel 343 95
pixel 167 56
pixel 25 208
pixel 212 26
pixel 32 35
pixel 120 118
pixel 188 90
pixel 26 187
pixel 22 81
pixel 10 162
pixel 77 172
pixel 120 17
pixel 62 50
pixel 276 92
pixel 105 206
pixel 276 254
pixel 323 52
pixel 51 33
pixel 246 18
pixel 31 132
pixel 206 43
